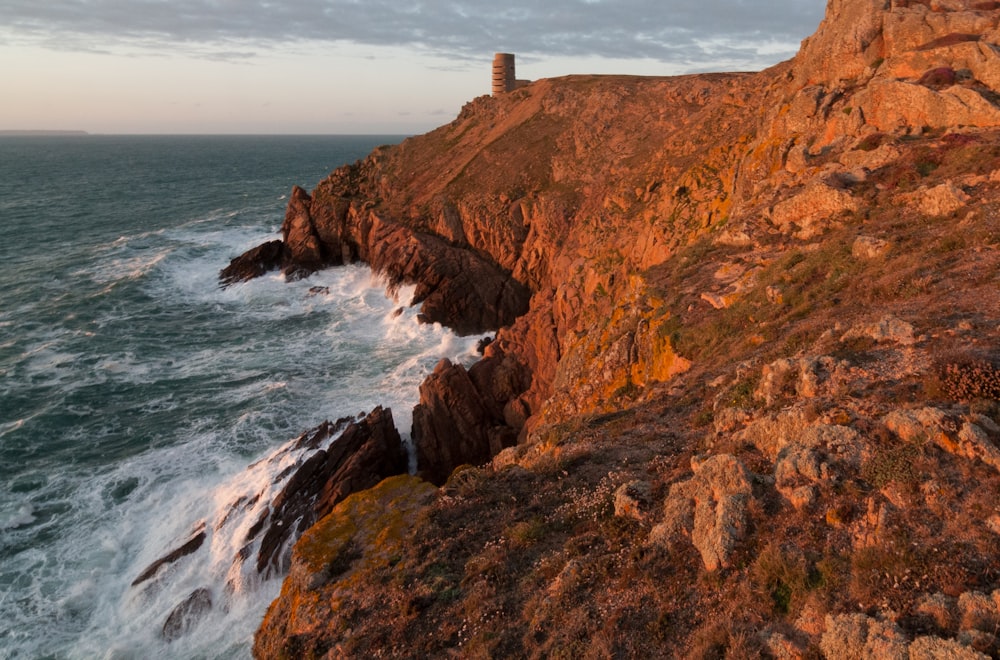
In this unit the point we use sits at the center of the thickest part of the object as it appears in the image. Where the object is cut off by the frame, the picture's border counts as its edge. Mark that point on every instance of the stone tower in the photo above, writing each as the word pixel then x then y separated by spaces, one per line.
pixel 503 73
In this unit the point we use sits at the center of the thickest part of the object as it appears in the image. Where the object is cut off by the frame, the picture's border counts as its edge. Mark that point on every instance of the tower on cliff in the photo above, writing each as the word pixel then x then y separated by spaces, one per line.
pixel 503 73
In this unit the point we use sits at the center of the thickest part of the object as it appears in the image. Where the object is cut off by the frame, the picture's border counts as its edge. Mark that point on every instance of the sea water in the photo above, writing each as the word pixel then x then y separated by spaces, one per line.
pixel 139 400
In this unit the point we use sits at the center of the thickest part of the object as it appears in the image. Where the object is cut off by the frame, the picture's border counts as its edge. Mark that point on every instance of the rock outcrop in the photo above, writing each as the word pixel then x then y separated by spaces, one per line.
pixel 606 191
pixel 769 272
pixel 710 508
pixel 362 455
pixel 362 533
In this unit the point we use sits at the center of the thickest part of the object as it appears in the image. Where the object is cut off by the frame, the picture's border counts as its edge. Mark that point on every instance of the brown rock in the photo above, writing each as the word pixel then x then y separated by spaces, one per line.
pixel 455 424
pixel 304 252
pixel 869 247
pixel 633 500
pixel 978 611
pixel 941 609
pixel 365 530
pixel 363 455
pixel 940 200
pixel 935 648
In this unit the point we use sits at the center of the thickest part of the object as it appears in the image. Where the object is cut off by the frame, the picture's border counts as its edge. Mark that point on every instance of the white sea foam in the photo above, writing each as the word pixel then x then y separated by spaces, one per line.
pixel 169 399
pixel 360 352
pixel 17 517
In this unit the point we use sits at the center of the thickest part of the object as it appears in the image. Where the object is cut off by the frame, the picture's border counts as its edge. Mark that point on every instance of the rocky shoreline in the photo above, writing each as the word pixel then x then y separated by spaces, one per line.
pixel 745 352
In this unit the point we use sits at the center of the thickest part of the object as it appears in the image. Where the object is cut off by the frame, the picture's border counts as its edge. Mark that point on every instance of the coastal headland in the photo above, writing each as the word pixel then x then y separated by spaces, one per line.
pixel 740 393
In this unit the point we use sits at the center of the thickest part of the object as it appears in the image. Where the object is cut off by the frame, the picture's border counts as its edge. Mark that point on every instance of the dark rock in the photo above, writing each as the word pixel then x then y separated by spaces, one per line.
pixel 483 344
pixel 365 453
pixel 938 78
pixel 186 615
pixel 188 547
pixel 253 263
pixel 455 424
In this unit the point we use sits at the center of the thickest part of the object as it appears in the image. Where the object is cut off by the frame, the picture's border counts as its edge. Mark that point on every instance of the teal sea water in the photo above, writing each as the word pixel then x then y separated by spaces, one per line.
pixel 138 399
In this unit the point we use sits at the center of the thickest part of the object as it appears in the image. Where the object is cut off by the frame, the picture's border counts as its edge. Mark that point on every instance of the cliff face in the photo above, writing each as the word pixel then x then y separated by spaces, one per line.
pixel 744 377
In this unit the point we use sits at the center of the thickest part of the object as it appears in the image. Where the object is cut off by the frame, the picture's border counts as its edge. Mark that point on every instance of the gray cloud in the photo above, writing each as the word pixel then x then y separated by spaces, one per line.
pixel 687 33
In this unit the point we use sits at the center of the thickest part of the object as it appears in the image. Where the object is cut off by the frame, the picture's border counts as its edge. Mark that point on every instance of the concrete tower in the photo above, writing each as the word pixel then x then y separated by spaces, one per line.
pixel 503 73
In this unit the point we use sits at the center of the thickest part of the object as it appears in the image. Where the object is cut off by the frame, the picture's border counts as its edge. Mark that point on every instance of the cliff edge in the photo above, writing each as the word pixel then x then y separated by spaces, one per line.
pixel 742 394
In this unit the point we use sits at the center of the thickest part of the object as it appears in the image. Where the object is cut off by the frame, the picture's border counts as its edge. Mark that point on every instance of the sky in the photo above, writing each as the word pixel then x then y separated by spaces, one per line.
pixel 347 66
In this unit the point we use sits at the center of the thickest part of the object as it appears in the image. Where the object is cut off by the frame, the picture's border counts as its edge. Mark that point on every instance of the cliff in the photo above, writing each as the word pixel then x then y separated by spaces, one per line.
pixel 742 396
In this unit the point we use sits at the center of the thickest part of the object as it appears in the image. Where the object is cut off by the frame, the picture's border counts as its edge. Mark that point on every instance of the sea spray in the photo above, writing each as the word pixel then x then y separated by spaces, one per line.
pixel 137 393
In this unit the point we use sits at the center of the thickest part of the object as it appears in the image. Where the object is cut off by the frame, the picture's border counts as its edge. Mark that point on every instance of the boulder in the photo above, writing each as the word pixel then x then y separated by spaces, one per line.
pixel 887 328
pixel 941 200
pixel 978 611
pixel 710 508
pixel 869 247
pixel 632 500
pixel 939 608
pixel 891 105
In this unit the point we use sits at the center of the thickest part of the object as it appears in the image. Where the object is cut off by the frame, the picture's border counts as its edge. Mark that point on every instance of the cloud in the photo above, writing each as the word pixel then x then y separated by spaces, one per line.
pixel 690 33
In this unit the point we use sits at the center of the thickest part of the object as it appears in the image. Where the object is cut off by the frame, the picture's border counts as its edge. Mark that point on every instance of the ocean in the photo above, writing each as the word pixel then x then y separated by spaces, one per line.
pixel 139 400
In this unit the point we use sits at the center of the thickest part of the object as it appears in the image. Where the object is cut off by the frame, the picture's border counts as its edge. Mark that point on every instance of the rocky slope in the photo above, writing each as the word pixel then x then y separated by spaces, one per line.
pixel 742 397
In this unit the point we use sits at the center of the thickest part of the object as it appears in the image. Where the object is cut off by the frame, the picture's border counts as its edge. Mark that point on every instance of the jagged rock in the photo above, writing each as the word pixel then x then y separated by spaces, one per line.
pixel 453 424
pixel 253 263
pixel 861 636
pixel 305 254
pixel 890 105
pixel 871 528
pixel 813 458
pixel 710 508
pixel 805 377
pixel 187 614
pixel 871 159
pixel 844 44
pixel 781 647
pixel 978 640
pixel 196 540
pixel 364 454
pixel 772 432
pixel 956 436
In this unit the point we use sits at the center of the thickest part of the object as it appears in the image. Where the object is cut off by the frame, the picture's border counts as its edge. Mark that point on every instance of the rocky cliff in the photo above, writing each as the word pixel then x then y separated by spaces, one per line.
pixel 742 395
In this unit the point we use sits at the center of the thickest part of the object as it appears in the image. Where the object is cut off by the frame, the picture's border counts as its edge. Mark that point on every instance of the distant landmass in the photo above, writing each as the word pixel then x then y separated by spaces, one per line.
pixel 42 132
